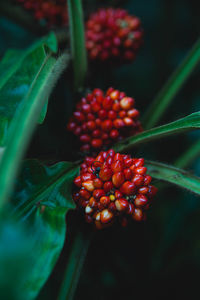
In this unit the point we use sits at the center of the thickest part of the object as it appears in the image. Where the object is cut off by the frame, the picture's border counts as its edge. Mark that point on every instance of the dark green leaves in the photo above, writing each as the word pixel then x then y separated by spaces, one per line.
pixel 174 175
pixel 190 122
pixel 24 89
pixel 42 199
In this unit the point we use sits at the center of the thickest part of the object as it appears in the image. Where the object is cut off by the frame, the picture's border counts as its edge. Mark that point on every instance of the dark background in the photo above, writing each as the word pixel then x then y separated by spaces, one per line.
pixel 161 257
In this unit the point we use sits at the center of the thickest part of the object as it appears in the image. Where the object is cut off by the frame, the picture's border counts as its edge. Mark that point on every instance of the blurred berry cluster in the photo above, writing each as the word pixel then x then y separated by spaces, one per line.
pixel 54 12
pixel 113 34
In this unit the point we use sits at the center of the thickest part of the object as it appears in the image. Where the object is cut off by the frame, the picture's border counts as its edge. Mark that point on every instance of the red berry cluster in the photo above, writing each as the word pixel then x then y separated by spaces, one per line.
pixel 100 120
pixel 113 185
pixel 53 11
pixel 113 34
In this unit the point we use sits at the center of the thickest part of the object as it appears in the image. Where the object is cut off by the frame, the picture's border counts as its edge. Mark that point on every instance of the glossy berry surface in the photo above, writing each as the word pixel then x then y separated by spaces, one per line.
pixel 113 187
pixel 54 12
pixel 113 35
pixel 102 119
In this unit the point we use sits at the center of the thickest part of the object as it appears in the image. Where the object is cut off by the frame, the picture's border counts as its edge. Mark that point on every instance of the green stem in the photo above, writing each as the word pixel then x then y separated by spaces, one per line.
pixel 189 156
pixel 172 87
pixel 75 264
pixel 77 34
pixel 185 124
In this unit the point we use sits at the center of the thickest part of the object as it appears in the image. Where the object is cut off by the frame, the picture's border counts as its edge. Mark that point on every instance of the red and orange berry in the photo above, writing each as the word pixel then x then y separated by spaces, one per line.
pixel 104 194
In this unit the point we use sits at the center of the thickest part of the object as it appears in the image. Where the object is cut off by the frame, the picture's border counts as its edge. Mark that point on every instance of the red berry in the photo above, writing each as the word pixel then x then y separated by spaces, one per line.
pixel 121 204
pixel 96 143
pixel 107 125
pixel 98 184
pixel 105 174
pixel 108 186
pixel 140 200
pixel 117 179
pixel 127 188
pixel 117 166
pixel 77 181
pixel 98 193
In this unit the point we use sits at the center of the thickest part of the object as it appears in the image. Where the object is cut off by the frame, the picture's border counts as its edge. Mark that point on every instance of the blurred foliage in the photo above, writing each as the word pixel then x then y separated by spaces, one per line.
pixel 160 258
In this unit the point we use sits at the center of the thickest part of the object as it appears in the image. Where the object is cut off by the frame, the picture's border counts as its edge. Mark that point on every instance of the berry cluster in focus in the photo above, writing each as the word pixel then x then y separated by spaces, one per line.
pixel 54 12
pixel 100 120
pixel 113 186
pixel 113 35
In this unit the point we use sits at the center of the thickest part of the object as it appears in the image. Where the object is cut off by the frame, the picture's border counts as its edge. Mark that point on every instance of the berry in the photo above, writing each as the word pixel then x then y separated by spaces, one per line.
pixel 102 119
pixel 109 188
pixel 113 35
pixel 54 12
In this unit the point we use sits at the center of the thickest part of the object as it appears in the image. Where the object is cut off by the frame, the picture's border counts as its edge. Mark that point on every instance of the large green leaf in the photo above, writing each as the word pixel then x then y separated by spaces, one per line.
pixel 172 87
pixel 77 36
pixel 17 71
pixel 15 258
pixel 41 201
pixel 174 175
pixel 185 124
pixel 24 89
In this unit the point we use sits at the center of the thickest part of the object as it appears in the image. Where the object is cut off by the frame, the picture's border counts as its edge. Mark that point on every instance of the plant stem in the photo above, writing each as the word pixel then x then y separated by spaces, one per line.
pixel 75 264
pixel 78 49
pixel 172 87
pixel 189 156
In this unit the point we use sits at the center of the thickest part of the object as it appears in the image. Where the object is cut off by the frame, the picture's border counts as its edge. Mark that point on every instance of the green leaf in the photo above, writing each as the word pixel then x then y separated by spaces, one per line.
pixel 13 82
pixel 15 258
pixel 172 87
pixel 185 124
pixel 41 201
pixel 77 36
pixel 24 90
pixel 174 175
